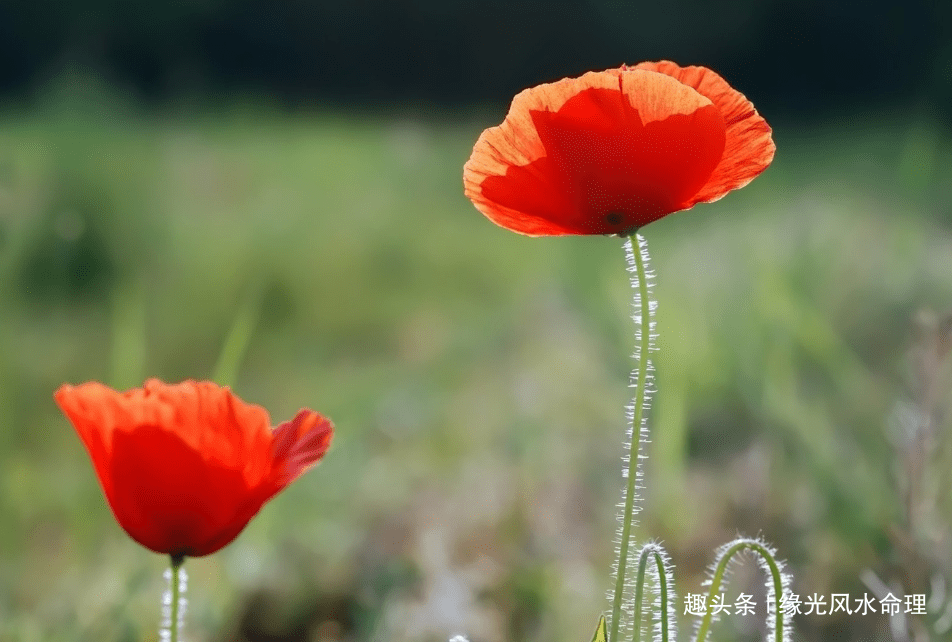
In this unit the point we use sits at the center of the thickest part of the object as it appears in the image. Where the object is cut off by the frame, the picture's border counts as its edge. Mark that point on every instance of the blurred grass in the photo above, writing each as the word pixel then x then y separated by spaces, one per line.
pixel 477 378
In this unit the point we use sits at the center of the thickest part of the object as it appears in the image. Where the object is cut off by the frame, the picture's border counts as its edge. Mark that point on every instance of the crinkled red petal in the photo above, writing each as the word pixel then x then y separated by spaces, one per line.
pixel 611 151
pixel 299 444
pixel 601 154
pixel 749 148
pixel 184 467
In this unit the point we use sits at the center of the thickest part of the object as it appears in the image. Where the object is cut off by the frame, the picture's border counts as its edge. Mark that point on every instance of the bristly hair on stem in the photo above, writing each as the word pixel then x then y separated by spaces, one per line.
pixel 653 562
pixel 174 602
pixel 779 628
pixel 627 598
pixel 642 380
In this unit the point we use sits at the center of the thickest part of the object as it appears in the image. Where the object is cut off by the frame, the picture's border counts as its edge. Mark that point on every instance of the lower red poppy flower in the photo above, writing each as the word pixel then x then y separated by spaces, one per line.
pixel 184 467
pixel 611 151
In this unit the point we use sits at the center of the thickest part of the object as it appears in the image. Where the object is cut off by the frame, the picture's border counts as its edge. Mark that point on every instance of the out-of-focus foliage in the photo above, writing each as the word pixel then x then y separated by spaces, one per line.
pixel 477 378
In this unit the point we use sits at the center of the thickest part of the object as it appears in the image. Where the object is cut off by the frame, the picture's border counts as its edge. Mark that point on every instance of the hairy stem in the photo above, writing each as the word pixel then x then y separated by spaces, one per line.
pixel 642 305
pixel 776 584
pixel 665 587
pixel 173 604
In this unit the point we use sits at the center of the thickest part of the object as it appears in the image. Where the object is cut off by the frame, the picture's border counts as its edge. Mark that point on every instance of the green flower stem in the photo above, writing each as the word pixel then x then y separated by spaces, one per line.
pixel 174 616
pixel 635 443
pixel 717 579
pixel 647 553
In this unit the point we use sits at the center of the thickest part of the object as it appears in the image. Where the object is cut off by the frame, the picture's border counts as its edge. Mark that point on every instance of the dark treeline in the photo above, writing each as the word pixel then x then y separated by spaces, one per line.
pixel 804 56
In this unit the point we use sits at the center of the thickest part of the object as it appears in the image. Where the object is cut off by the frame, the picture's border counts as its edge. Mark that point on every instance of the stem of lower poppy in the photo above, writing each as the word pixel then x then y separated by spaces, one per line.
pixel 642 317
pixel 173 604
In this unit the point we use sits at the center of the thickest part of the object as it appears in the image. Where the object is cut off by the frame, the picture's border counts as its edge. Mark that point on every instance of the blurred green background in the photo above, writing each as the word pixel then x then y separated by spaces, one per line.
pixel 477 378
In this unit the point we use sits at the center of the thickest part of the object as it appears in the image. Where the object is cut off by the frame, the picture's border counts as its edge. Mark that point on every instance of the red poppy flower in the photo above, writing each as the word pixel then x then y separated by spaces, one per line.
pixel 614 150
pixel 184 467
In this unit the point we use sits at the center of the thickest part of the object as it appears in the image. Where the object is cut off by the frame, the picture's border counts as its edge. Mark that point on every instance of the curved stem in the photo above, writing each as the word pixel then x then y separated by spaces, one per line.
pixel 648 552
pixel 640 595
pixel 635 442
pixel 720 569
pixel 663 591
pixel 663 576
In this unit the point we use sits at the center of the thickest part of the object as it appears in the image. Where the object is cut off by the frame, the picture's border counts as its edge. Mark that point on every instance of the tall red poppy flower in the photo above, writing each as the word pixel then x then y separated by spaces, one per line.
pixel 611 151
pixel 184 467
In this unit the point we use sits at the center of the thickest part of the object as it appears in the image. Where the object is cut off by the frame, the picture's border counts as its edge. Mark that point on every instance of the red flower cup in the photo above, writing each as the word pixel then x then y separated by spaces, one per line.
pixel 184 467
pixel 611 151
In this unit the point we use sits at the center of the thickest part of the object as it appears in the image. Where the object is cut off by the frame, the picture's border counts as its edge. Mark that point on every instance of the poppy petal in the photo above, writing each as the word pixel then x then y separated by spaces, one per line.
pixel 210 418
pixel 94 410
pixel 611 151
pixel 184 467
pixel 601 154
pixel 749 149
pixel 299 444
pixel 168 497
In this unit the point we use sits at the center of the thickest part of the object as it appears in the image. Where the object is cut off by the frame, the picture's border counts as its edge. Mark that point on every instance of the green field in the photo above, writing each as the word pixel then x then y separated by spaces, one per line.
pixel 477 378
